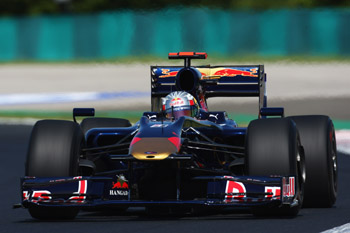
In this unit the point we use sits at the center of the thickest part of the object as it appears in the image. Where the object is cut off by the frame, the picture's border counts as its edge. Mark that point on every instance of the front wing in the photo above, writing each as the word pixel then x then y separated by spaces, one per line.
pixel 237 191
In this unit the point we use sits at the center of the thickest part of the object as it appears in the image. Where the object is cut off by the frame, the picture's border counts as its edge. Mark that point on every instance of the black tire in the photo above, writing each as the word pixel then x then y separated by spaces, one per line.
pixel 53 213
pixel 54 150
pixel 100 122
pixel 273 148
pixel 319 143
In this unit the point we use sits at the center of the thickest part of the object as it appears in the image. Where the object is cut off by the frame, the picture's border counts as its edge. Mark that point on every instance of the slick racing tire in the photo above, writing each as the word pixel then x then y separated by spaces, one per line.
pixel 54 150
pixel 319 143
pixel 273 149
pixel 101 122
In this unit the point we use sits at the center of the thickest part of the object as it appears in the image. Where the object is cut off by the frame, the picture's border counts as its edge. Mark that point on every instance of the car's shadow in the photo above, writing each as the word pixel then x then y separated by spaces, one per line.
pixel 139 214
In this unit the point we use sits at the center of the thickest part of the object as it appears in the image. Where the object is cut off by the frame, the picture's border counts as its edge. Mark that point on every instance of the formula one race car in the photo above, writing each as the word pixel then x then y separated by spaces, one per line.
pixel 180 155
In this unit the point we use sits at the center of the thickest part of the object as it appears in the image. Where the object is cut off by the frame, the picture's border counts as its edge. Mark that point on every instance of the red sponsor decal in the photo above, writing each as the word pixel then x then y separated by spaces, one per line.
pixel 40 195
pixel 235 187
pixel 276 192
pixel 25 195
pixel 82 189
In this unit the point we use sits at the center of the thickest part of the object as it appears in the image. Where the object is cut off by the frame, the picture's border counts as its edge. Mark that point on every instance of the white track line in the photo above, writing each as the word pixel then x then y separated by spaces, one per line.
pixel 343 145
pixel 341 229
pixel 62 97
pixel 343 141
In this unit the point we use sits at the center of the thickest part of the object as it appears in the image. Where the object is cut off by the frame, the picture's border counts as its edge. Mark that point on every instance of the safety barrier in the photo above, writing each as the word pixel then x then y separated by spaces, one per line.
pixel 320 32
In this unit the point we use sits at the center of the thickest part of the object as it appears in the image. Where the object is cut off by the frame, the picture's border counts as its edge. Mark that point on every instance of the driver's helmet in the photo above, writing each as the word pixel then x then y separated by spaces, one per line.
pixel 180 103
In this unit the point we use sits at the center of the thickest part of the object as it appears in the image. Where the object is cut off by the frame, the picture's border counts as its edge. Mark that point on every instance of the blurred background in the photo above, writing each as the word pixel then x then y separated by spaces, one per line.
pixel 60 54
pixel 71 30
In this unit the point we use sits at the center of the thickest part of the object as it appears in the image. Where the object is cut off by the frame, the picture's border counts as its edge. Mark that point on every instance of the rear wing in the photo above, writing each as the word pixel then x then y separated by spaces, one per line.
pixel 216 81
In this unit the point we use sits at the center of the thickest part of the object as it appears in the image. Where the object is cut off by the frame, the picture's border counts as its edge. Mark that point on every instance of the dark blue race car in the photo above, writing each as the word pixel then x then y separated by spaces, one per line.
pixel 181 156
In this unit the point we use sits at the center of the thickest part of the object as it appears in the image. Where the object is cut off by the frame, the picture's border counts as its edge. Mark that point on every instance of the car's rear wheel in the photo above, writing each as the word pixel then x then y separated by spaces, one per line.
pixel 101 122
pixel 319 143
pixel 273 149
pixel 54 150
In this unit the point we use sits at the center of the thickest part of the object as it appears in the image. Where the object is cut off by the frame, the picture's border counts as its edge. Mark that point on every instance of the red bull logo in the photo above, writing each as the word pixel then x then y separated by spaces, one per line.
pixel 119 188
pixel 228 72
pixel 121 183
pixel 176 101
pixel 233 72
pixel 118 185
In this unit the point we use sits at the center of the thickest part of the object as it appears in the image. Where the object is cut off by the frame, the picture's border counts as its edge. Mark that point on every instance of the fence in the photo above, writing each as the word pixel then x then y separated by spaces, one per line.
pixel 321 32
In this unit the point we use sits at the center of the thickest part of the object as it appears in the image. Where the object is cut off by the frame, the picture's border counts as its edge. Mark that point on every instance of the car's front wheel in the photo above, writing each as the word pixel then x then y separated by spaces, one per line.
pixel 54 150
pixel 273 149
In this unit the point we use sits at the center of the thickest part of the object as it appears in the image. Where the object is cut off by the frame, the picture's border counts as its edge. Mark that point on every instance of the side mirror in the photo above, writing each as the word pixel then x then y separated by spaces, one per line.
pixel 264 112
pixel 83 112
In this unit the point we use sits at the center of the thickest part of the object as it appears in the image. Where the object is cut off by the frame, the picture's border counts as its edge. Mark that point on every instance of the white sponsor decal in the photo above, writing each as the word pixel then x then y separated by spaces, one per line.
pixel 288 188
pixel 118 192
pixel 215 116
pixel 158 126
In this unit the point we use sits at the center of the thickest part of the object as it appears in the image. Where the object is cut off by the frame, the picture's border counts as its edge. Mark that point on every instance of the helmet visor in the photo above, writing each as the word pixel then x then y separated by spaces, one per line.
pixel 179 113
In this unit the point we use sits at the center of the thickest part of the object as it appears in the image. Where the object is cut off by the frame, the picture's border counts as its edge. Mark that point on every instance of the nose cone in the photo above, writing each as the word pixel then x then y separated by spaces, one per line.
pixel 153 148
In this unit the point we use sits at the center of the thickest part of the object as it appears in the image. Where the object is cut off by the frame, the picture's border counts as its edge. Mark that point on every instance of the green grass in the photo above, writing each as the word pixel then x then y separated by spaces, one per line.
pixel 212 59
pixel 241 119
pixel 66 115
pixel 341 124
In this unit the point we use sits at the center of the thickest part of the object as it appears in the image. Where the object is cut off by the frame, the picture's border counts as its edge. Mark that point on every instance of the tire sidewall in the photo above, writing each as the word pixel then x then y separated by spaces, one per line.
pixel 331 148
pixel 319 142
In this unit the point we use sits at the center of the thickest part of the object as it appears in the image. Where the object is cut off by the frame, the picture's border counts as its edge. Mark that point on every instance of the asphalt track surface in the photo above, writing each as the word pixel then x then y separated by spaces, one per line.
pixel 13 146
